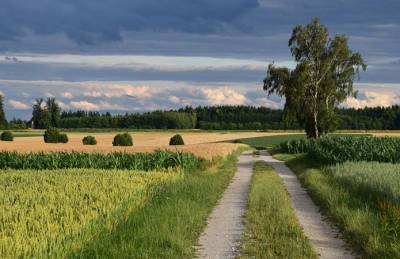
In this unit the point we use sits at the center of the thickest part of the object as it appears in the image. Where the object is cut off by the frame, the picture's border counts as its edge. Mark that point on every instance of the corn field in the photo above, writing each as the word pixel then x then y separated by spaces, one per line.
pixel 51 214
pixel 158 160
pixel 340 149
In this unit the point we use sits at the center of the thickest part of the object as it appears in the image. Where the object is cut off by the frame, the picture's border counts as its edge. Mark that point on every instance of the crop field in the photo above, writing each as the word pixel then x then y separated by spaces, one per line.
pixel 69 200
pixel 203 144
pixel 52 213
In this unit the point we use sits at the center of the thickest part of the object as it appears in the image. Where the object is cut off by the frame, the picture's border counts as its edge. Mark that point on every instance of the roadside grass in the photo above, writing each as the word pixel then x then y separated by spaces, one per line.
pixel 169 225
pixel 270 141
pixel 361 198
pixel 271 227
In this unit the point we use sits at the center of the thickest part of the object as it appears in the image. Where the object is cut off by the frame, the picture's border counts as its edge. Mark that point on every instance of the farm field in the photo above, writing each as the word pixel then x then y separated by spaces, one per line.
pixel 81 203
pixel 53 213
pixel 202 144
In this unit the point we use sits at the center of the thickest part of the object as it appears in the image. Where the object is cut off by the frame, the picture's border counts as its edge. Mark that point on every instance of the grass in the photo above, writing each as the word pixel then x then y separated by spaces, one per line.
pixel 169 225
pixel 270 141
pixel 48 214
pixel 21 134
pixel 271 227
pixel 361 198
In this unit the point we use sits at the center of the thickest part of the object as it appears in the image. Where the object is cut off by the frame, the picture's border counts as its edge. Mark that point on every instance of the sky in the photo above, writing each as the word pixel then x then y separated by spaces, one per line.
pixel 140 55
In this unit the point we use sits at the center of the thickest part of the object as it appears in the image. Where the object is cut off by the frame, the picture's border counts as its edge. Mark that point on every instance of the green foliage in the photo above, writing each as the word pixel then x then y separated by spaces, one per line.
pixel 53 135
pixel 176 140
pixel 322 79
pixel 7 136
pixel 3 121
pixel 271 227
pixel 54 111
pixel 49 214
pixel 124 139
pixel 46 115
pixel 340 149
pixel 89 140
pixel 148 120
pixel 362 199
pixel 158 160
pixel 296 146
pixel 63 138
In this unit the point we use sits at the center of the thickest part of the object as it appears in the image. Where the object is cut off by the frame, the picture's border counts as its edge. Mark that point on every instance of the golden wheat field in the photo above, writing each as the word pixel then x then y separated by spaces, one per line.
pixel 202 144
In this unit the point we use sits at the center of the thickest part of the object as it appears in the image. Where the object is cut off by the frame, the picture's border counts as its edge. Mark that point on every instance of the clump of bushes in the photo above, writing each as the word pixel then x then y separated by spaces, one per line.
pixel 124 139
pixel 89 140
pixel 53 135
pixel 7 136
pixel 176 140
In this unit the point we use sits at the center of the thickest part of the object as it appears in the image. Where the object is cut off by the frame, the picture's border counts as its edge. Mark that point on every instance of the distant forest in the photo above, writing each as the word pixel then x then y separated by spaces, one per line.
pixel 221 118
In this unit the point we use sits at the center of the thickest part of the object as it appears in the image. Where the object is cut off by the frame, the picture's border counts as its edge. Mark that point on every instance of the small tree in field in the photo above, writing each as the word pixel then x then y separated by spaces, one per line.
pixel 322 79
pixel 3 121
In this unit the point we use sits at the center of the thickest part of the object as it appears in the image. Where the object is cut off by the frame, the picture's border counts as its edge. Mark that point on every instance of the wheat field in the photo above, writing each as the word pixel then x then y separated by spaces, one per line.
pixel 202 144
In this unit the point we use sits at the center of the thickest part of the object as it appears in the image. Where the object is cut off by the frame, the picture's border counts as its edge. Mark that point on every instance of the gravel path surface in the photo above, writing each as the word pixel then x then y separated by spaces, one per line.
pixel 221 237
pixel 323 236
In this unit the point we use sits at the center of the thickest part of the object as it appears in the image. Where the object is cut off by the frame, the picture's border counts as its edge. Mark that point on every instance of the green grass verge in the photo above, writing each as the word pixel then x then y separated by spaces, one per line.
pixel 169 225
pixel 359 197
pixel 271 227
pixel 270 141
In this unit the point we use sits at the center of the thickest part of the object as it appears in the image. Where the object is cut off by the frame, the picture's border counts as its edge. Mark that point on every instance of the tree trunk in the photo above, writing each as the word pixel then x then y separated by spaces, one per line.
pixel 316 131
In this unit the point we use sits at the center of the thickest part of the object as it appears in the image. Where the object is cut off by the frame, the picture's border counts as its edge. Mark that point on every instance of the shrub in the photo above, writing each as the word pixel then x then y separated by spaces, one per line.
pixel 62 138
pixel 7 136
pixel 89 140
pixel 52 135
pixel 176 140
pixel 124 139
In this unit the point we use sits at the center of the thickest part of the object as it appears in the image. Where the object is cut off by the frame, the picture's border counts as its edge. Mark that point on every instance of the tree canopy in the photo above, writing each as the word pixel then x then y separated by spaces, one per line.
pixel 323 77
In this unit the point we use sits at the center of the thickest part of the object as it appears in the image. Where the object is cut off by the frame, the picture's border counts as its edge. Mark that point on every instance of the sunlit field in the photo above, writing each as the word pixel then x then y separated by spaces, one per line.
pixel 203 144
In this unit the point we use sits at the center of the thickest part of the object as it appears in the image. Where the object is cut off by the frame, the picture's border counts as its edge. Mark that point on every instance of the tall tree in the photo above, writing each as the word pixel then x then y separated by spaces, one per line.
pixel 54 111
pixel 40 115
pixel 323 77
pixel 3 121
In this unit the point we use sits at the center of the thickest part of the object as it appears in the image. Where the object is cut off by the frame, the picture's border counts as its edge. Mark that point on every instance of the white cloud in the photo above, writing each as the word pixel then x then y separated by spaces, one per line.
pixel 223 96
pixel 49 95
pixel 67 95
pixel 120 90
pixel 267 103
pixel 89 106
pixel 84 105
pixel 18 105
pixel 373 99
pixel 63 106
pixel 1 93
pixel 174 99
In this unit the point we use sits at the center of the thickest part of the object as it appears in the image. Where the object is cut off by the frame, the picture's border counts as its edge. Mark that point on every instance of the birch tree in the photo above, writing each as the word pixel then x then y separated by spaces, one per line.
pixel 322 79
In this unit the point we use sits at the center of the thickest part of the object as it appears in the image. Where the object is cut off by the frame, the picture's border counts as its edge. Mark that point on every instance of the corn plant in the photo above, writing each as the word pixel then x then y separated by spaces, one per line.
pixel 158 160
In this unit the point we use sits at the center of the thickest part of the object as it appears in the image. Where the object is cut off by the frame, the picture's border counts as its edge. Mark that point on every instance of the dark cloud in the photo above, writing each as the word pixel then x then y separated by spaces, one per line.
pixel 93 21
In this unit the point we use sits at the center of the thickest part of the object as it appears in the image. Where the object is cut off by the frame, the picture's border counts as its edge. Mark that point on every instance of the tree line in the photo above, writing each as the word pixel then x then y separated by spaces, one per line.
pixel 47 113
